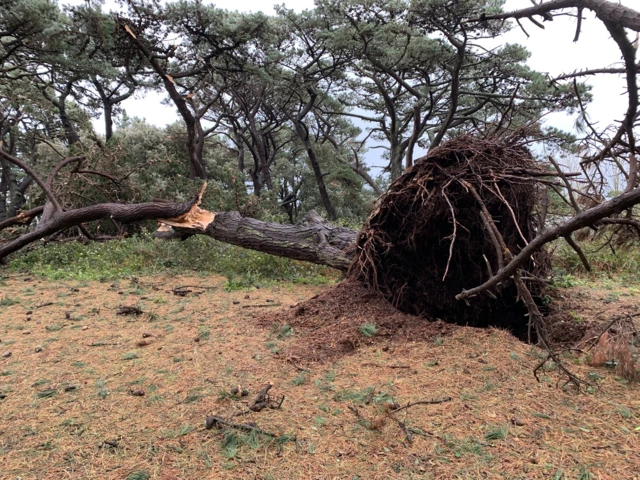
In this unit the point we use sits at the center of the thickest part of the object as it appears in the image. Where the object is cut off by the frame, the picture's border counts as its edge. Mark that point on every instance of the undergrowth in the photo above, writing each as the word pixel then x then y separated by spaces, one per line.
pixel 146 256
pixel 619 265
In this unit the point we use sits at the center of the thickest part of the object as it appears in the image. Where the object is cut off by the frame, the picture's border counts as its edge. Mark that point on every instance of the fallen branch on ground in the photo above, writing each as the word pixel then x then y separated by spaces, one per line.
pixel 216 421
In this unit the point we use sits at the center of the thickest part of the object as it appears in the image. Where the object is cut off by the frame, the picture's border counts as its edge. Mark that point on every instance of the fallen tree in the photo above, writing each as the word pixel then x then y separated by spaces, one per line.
pixel 312 240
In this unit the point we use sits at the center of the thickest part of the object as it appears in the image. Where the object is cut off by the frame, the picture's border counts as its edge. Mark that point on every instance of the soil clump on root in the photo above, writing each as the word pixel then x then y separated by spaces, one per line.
pixel 429 240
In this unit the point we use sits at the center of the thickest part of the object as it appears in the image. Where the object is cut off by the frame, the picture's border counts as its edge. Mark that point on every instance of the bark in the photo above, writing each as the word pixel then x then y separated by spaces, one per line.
pixel 313 240
pixel 122 213
pixel 22 218
pixel 604 10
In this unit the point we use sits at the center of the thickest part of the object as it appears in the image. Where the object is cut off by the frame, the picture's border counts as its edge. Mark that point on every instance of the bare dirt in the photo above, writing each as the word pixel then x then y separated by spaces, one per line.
pixel 88 393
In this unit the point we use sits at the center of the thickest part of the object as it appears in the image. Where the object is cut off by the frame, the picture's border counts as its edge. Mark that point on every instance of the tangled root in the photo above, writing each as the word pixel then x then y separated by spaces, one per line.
pixel 428 240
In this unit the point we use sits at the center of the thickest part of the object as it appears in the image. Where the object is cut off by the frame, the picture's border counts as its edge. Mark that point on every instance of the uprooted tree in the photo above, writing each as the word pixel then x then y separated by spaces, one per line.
pixel 460 235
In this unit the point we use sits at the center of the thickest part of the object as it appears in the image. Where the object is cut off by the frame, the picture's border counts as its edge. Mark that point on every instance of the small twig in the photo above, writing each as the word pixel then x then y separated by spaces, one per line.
pixel 129 310
pixel 364 421
pixel 215 421
pixel 405 429
pixel 262 399
pixel 194 286
pixel 292 361
pixel 262 305
pixel 384 366
pixel 422 402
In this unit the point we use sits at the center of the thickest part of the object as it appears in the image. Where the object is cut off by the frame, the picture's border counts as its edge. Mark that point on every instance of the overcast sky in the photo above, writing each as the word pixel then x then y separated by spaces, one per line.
pixel 552 51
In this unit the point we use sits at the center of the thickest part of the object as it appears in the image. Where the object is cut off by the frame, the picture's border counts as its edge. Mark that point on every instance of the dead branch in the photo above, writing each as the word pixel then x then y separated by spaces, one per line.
pixel 263 400
pixel 32 174
pixel 23 218
pixel 594 71
pixel 422 402
pixel 583 219
pixel 217 421
pixel 128 310
pixel 604 10
pixel 583 258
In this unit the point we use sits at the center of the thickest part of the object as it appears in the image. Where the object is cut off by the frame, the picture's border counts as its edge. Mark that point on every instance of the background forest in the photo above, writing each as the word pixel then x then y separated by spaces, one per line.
pixel 280 114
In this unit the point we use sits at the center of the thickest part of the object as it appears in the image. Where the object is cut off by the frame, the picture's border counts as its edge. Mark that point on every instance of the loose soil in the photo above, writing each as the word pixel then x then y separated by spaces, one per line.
pixel 72 406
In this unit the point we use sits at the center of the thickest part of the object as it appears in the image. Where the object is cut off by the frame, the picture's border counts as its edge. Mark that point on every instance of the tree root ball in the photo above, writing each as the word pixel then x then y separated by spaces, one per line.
pixel 428 239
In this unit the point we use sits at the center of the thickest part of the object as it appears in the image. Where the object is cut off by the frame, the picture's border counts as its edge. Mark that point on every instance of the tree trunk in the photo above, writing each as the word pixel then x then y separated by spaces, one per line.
pixel 108 119
pixel 312 240
pixel 303 134
pixel 395 160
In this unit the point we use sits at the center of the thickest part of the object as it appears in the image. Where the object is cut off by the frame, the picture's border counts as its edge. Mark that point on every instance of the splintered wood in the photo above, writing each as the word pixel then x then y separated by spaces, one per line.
pixel 196 217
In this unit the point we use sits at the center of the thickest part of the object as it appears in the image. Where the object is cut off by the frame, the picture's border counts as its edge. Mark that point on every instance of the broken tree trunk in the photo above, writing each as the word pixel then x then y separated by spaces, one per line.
pixel 313 240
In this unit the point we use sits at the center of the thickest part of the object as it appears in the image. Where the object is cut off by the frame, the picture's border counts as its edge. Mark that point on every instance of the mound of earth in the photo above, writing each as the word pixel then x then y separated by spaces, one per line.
pixel 328 325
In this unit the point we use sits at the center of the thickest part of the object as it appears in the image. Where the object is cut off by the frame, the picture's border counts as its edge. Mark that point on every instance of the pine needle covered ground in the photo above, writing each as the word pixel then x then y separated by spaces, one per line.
pixel 91 393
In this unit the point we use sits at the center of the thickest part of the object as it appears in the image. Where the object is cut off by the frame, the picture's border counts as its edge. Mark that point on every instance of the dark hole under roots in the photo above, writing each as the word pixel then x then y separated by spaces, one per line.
pixel 411 291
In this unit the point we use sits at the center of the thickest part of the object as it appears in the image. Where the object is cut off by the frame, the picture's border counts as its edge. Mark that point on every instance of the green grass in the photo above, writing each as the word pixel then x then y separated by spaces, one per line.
pixel 145 256
pixel 300 379
pixel 141 475
pixel 284 331
pixel 8 301
pixel 624 412
pixel 496 432
pixel 368 329
pixel 621 267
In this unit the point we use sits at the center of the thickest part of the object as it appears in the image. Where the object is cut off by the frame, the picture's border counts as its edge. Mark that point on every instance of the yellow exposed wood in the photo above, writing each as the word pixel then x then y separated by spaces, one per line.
pixel 195 218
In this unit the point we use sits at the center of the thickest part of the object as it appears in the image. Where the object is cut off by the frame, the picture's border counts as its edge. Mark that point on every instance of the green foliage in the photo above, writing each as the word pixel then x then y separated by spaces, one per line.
pixel 300 379
pixel 233 442
pixel 368 329
pixel 140 475
pixel 623 263
pixel 284 331
pixel 142 255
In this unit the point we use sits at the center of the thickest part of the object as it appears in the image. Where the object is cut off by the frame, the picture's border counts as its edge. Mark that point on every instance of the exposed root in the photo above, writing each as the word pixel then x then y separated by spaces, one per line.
pixel 451 221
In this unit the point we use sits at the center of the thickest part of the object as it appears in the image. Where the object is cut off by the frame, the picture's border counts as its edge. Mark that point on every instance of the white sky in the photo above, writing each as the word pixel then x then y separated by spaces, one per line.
pixel 552 51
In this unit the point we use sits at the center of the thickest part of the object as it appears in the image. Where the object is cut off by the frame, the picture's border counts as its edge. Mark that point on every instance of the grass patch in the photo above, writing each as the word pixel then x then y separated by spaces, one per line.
pixel 142 255
pixel 141 475
pixel 8 301
pixel 284 331
pixel 496 432
pixel 624 412
pixel 368 329
pixel 182 431
pixel 300 379
pixel 621 267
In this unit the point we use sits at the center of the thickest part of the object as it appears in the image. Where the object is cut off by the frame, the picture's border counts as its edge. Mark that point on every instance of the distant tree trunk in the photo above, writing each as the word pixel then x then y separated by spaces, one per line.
pixel 303 134
pixel 395 160
pixel 108 120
